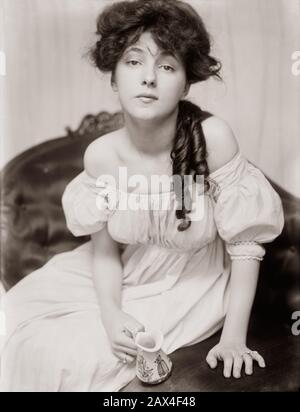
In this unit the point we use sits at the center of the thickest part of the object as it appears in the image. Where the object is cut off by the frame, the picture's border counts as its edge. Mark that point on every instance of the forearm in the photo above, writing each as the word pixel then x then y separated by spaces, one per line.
pixel 243 283
pixel 107 271
pixel 107 276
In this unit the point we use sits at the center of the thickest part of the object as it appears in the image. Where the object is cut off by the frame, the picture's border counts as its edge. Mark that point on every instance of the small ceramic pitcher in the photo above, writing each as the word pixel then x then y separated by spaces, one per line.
pixel 152 364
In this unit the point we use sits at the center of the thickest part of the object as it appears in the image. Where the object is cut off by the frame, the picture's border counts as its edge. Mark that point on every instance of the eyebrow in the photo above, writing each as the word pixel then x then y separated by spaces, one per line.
pixel 142 51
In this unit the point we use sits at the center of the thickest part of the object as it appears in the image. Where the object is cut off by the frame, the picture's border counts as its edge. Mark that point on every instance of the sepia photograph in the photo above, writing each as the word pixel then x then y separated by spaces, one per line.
pixel 149 197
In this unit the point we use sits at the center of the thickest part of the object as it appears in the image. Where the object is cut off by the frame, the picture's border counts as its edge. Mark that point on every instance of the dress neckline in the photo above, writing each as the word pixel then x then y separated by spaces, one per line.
pixel 170 191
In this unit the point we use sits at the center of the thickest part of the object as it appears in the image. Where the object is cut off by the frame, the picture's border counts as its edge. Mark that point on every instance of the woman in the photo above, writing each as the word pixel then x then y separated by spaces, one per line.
pixel 185 270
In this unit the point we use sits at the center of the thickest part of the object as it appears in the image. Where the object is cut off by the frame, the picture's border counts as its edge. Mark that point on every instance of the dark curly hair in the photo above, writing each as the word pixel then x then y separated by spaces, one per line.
pixel 178 29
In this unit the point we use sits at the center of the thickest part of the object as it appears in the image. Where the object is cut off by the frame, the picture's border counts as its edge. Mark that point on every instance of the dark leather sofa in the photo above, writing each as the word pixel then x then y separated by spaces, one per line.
pixel 33 229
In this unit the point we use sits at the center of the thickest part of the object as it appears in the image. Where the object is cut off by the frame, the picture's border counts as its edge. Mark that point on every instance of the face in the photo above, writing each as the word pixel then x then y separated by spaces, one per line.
pixel 145 69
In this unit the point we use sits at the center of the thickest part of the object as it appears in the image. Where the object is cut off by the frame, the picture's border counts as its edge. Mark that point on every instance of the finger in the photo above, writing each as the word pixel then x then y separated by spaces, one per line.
pixel 127 332
pixel 133 329
pixel 248 364
pixel 211 360
pixel 139 328
pixel 127 342
pixel 129 358
pixel 259 359
pixel 131 352
pixel 123 356
pixel 228 361
pixel 237 366
pixel 125 348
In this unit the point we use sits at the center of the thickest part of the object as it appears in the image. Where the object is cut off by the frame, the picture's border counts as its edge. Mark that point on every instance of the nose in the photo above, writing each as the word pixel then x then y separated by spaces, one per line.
pixel 149 77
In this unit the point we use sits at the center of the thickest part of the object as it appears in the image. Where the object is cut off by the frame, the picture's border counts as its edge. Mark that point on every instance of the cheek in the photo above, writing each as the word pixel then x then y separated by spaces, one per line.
pixel 173 88
pixel 124 78
pixel 125 87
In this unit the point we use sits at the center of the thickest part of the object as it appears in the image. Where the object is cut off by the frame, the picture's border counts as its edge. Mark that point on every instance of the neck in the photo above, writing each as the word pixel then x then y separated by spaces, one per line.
pixel 151 138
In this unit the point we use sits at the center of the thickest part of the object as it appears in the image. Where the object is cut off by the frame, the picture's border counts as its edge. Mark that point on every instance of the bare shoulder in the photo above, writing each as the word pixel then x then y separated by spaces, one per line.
pixel 221 142
pixel 100 157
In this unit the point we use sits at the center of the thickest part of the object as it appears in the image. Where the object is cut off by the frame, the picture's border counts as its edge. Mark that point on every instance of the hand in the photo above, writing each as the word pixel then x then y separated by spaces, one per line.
pixel 121 330
pixel 233 356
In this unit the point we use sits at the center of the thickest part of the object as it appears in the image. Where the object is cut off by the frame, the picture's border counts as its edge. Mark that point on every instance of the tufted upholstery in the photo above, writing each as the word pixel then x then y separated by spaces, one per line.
pixel 33 225
pixel 33 230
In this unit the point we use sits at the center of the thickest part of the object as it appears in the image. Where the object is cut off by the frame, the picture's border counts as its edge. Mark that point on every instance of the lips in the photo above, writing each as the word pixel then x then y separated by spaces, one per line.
pixel 147 96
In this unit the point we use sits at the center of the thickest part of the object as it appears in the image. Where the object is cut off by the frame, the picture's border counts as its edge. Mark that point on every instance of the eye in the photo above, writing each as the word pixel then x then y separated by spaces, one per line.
pixel 132 62
pixel 168 68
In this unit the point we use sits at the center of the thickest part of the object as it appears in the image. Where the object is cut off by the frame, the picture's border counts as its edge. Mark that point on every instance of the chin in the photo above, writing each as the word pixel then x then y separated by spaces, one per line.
pixel 145 114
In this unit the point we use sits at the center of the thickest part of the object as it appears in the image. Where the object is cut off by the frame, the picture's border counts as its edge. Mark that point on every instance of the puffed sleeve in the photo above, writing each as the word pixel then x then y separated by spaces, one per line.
pixel 87 204
pixel 247 210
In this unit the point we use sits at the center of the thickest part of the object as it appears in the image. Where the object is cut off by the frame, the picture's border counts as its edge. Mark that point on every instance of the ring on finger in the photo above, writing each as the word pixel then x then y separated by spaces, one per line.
pixel 250 352
pixel 254 352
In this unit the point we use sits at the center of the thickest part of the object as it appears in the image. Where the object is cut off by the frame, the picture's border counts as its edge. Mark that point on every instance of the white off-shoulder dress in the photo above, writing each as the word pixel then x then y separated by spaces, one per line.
pixel 174 281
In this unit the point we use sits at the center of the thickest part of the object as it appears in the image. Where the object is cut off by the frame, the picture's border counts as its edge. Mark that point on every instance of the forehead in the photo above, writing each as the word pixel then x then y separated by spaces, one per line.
pixel 146 44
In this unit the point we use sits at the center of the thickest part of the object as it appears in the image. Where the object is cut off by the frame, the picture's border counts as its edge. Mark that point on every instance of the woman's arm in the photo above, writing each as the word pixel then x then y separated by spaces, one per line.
pixel 107 267
pixel 107 271
pixel 243 282
pixel 107 276
pixel 106 262
pixel 232 348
